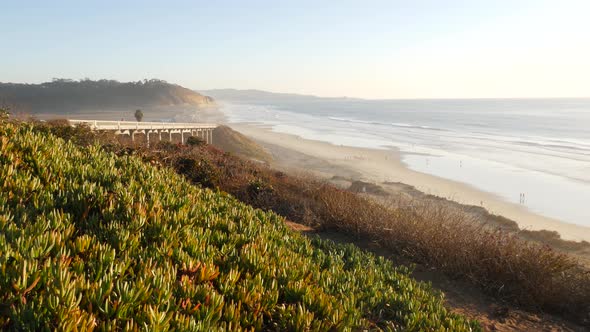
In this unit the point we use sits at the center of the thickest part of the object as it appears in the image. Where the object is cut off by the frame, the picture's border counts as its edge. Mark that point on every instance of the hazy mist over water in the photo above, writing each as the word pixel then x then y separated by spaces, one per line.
pixel 539 147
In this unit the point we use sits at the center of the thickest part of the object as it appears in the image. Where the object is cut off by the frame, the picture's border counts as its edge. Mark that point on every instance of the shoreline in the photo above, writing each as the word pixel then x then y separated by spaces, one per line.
pixel 380 166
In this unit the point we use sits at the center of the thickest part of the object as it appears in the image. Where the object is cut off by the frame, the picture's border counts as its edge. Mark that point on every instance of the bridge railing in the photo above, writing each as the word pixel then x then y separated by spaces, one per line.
pixel 133 125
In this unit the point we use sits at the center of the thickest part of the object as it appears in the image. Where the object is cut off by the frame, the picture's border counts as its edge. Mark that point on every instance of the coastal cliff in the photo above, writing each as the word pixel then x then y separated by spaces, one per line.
pixel 65 95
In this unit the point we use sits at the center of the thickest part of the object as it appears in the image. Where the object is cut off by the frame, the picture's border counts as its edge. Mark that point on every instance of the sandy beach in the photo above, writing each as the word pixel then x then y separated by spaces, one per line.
pixel 379 166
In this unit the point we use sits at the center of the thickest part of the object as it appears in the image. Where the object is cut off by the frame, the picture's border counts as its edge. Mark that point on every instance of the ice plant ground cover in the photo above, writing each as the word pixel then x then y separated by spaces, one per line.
pixel 89 240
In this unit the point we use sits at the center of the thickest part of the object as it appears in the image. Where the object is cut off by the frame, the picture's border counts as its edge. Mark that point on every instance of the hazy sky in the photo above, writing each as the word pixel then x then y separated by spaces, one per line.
pixel 371 49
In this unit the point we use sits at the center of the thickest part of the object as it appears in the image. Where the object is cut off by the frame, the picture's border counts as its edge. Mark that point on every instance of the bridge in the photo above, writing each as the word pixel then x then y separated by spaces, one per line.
pixel 202 130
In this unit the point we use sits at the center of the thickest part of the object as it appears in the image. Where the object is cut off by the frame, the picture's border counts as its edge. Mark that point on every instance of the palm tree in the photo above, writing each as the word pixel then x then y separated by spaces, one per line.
pixel 138 115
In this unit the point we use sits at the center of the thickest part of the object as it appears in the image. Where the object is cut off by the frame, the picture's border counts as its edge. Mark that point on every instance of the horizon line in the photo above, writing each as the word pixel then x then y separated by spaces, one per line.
pixel 314 95
pixel 388 98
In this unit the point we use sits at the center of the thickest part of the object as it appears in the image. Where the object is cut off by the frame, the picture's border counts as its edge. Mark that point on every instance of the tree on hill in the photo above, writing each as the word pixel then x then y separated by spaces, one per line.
pixel 138 115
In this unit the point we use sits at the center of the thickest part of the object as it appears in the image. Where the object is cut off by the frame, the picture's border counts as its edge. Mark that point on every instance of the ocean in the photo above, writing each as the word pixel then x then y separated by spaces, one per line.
pixel 534 152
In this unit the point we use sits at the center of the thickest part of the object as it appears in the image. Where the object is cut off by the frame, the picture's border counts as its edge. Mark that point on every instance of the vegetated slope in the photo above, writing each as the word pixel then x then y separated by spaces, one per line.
pixel 234 142
pixel 62 95
pixel 88 239
pixel 500 263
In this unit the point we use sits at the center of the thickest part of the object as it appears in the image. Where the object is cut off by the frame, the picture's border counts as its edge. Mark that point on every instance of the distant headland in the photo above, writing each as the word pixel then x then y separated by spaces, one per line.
pixel 67 95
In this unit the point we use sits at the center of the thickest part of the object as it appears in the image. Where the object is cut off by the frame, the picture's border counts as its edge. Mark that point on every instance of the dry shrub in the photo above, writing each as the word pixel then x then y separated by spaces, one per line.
pixel 198 170
pixel 499 262
pixel 554 239
pixel 80 134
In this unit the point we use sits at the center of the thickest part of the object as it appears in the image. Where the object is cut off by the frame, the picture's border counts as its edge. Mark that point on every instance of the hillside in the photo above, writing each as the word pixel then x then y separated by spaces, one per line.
pixel 504 269
pixel 91 240
pixel 63 95
pixel 290 101
pixel 232 141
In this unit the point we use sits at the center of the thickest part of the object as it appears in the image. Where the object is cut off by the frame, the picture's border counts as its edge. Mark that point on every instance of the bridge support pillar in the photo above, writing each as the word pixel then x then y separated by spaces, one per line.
pixel 203 131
